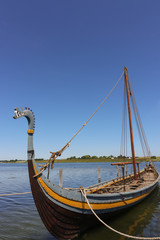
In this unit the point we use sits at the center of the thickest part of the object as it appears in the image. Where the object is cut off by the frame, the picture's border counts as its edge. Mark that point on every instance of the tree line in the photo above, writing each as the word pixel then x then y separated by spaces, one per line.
pixel 102 157
pixel 96 157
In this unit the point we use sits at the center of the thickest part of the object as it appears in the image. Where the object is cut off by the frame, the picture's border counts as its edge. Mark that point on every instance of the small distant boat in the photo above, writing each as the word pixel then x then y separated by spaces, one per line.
pixel 65 212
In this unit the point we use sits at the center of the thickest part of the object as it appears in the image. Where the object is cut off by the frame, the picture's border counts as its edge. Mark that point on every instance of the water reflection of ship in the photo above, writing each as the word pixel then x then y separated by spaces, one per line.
pixel 141 220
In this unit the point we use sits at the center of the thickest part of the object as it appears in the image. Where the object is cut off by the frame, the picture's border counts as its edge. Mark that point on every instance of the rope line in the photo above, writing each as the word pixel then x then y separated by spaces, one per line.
pixel 54 155
pixel 139 121
pixel 97 109
pixel 112 229
pixel 13 194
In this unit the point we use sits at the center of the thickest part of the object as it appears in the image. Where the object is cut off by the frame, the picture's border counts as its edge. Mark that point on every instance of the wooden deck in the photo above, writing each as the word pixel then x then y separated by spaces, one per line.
pixel 128 184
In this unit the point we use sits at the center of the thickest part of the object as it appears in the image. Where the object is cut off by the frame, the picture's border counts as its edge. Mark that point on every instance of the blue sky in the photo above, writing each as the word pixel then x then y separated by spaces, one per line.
pixel 61 58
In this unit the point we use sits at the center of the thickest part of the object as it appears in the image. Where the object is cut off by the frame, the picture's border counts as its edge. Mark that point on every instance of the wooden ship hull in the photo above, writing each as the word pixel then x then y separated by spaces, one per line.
pixel 65 212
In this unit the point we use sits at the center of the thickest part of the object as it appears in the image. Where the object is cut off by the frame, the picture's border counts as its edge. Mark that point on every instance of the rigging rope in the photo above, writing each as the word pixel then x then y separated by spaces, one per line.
pixel 54 155
pixel 112 229
pixel 97 108
pixel 143 139
pixel 138 120
pixel 13 194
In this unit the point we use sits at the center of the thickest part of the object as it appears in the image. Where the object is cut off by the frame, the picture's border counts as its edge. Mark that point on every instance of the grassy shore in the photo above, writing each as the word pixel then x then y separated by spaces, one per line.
pixel 79 160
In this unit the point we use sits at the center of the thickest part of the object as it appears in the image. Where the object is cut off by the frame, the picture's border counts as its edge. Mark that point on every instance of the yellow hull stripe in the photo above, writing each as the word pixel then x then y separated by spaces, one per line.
pixel 76 204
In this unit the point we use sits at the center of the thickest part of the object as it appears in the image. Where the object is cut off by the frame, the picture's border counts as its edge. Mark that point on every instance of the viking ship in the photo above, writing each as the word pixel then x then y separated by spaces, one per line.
pixel 68 212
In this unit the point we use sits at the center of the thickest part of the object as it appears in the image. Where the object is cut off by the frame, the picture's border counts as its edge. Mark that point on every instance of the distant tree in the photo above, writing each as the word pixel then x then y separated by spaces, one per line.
pixel 111 156
pixel 153 157
pixel 94 157
pixel 39 159
pixel 86 157
pixel 12 161
pixel 120 156
pixel 73 157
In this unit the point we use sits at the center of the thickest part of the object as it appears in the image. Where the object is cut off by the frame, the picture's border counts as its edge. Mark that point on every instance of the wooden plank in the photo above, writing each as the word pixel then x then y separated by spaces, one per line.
pixel 122 163
pixel 99 174
pixel 60 177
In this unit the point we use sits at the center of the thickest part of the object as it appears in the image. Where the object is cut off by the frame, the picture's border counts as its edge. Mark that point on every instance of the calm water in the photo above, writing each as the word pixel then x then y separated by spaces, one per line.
pixel 19 218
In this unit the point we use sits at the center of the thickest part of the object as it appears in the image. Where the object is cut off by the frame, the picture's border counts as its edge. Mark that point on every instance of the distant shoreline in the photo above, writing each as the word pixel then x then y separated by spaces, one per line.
pixel 79 160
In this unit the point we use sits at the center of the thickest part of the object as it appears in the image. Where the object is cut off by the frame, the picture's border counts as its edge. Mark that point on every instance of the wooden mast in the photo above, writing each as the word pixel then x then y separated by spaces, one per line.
pixel 130 122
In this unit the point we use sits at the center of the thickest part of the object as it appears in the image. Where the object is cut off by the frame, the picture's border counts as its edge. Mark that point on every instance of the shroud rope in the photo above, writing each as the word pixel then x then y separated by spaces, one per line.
pixel 54 155
pixel 112 229
pixel 13 194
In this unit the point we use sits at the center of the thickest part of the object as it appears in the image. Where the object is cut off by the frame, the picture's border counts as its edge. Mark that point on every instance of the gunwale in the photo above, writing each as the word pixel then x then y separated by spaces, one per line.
pixel 74 201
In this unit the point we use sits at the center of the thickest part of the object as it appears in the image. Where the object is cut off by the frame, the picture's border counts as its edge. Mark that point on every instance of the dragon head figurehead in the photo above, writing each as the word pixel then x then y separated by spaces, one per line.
pixel 28 114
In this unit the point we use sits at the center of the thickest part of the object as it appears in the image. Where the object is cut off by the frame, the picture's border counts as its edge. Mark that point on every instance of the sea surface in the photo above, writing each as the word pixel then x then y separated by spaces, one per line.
pixel 19 218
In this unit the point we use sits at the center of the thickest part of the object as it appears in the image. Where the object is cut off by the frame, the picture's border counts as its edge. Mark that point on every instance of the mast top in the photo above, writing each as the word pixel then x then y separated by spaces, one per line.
pixel 125 70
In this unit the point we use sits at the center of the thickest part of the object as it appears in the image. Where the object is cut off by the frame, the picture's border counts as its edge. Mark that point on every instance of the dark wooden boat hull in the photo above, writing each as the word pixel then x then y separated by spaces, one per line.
pixel 64 223
pixel 60 222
